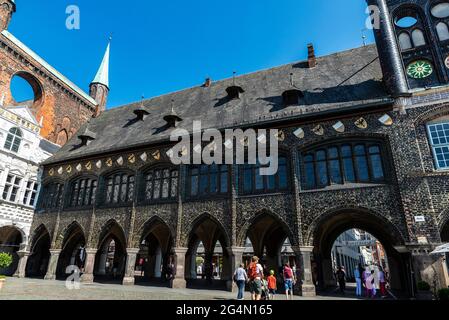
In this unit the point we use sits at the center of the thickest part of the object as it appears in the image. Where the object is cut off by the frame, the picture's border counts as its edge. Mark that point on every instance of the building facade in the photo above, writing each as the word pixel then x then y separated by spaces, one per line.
pixel 364 143
pixel 22 149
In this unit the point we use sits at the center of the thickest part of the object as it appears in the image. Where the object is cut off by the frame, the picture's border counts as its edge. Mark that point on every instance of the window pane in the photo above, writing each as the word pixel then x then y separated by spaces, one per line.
pixel 283 182
pixel 174 184
pixel 194 185
pixel 335 174
pixel 224 179
pixel 322 174
pixel 376 165
pixel 418 38
pixel 443 31
pixel 247 178
pixel 310 175
pixel 349 170
pixel 362 168
pixel 259 179
pixel 405 41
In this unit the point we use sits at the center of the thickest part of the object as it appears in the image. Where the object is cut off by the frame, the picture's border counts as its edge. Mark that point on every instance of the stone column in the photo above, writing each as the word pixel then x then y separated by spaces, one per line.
pixel 304 284
pixel 236 257
pixel 52 264
pixel 21 267
pixel 179 281
pixel 130 266
pixel 89 263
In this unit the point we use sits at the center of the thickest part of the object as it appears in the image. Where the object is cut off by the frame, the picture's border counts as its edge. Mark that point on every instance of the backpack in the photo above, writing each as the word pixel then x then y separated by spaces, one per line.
pixel 252 271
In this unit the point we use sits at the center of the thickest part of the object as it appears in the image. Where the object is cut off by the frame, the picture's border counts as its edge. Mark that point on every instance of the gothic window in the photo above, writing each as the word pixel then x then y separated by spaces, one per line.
pixel 208 180
pixel 82 192
pixel 252 182
pixel 418 38
pixel 160 184
pixel 52 195
pixel 119 188
pixel 405 41
pixel 12 188
pixel 442 31
pixel 439 140
pixel 440 10
pixel 13 140
pixel 352 162
pixel 29 198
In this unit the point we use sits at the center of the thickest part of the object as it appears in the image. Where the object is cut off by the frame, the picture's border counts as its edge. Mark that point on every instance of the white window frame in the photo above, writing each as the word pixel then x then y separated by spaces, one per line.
pixel 434 146
pixel 13 184
pixel 33 189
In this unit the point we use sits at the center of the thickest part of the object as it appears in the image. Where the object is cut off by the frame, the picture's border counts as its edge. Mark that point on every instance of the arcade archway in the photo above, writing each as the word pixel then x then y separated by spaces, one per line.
pixel 270 240
pixel 208 245
pixel 110 260
pixel 332 225
pixel 39 254
pixel 155 251
pixel 10 241
pixel 25 88
pixel 73 251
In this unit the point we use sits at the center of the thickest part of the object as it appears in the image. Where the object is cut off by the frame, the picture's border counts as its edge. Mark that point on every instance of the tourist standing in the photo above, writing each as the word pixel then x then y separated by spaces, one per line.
pixel 272 285
pixel 288 281
pixel 382 283
pixel 240 279
pixel 358 280
pixel 341 278
pixel 255 274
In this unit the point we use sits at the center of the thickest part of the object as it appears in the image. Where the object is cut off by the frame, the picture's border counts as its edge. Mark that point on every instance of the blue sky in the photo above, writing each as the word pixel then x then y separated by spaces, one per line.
pixel 163 46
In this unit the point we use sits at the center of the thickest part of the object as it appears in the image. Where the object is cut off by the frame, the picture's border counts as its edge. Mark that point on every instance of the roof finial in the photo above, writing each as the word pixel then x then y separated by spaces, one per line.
pixel 102 76
pixel 364 36
pixel 291 79
pixel 233 77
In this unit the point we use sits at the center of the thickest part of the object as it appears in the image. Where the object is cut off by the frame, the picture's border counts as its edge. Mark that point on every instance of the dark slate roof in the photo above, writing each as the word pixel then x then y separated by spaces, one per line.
pixel 338 81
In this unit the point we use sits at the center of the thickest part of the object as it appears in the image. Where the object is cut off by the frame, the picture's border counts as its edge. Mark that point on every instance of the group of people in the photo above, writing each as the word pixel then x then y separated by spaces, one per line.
pixel 261 285
pixel 367 280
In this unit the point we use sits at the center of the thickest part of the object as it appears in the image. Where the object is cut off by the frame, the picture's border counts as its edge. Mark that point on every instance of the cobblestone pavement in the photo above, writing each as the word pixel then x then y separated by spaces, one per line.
pixel 32 289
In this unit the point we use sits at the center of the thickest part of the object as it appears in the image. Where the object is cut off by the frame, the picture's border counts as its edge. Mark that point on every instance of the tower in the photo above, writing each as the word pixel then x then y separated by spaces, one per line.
pixel 413 43
pixel 99 88
pixel 7 8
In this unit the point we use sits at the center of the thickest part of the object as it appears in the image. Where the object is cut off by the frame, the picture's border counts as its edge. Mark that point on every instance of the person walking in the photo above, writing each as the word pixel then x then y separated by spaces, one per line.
pixel 358 281
pixel 255 275
pixel 288 281
pixel 341 278
pixel 272 285
pixel 382 283
pixel 240 278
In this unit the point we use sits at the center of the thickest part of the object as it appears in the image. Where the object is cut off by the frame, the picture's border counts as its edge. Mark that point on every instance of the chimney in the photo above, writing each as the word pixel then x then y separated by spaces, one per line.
pixel 311 56
pixel 208 82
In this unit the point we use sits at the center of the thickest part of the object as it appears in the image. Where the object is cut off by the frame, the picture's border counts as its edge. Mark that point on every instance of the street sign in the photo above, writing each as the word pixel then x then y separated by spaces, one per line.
pixel 359 243
pixel 420 219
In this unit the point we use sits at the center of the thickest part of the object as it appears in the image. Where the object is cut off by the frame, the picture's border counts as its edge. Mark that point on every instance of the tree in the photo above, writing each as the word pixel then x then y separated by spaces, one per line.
pixel 5 260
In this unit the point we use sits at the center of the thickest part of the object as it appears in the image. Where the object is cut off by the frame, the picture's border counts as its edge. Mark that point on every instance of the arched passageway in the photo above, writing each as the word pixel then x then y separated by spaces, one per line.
pixel 208 263
pixel 110 260
pixel 270 241
pixel 73 251
pixel 39 254
pixel 331 226
pixel 155 253
pixel 10 241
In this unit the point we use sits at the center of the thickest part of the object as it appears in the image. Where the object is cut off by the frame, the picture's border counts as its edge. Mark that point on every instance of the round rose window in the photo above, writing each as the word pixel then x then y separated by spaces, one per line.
pixel 419 69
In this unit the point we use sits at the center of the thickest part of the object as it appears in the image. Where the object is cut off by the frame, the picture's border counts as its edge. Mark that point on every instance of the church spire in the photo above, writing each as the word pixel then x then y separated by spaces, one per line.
pixel 99 88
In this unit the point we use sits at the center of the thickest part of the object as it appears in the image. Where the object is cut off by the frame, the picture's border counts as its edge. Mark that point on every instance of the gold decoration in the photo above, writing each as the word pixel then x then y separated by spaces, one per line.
pixel 89 165
pixel 69 169
pixel 109 162
pixel 51 172
pixel 318 130
pixel 156 155
pixel 280 135
pixel 131 158
pixel 361 123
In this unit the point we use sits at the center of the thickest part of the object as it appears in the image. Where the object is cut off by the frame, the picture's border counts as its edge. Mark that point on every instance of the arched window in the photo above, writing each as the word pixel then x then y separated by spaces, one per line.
pixel 160 184
pixel 207 180
pixel 82 192
pixel 13 140
pixel 343 163
pixel 418 38
pixel 52 196
pixel 119 188
pixel 252 182
pixel 442 31
pixel 405 41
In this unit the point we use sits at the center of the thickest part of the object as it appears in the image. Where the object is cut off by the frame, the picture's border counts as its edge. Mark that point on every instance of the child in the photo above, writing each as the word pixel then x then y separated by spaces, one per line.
pixel 272 285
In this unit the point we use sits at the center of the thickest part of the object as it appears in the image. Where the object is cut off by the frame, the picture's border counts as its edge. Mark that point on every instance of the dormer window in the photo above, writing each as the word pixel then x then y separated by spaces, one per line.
pixel 234 92
pixel 292 97
pixel 87 137
pixel 141 113
pixel 172 119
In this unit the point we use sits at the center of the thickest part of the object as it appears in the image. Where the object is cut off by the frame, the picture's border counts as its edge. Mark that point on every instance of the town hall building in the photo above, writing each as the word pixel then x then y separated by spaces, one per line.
pixel 363 144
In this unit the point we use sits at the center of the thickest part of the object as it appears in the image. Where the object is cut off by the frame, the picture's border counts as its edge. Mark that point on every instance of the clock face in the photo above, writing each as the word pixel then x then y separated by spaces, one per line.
pixel 419 69
pixel 446 62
